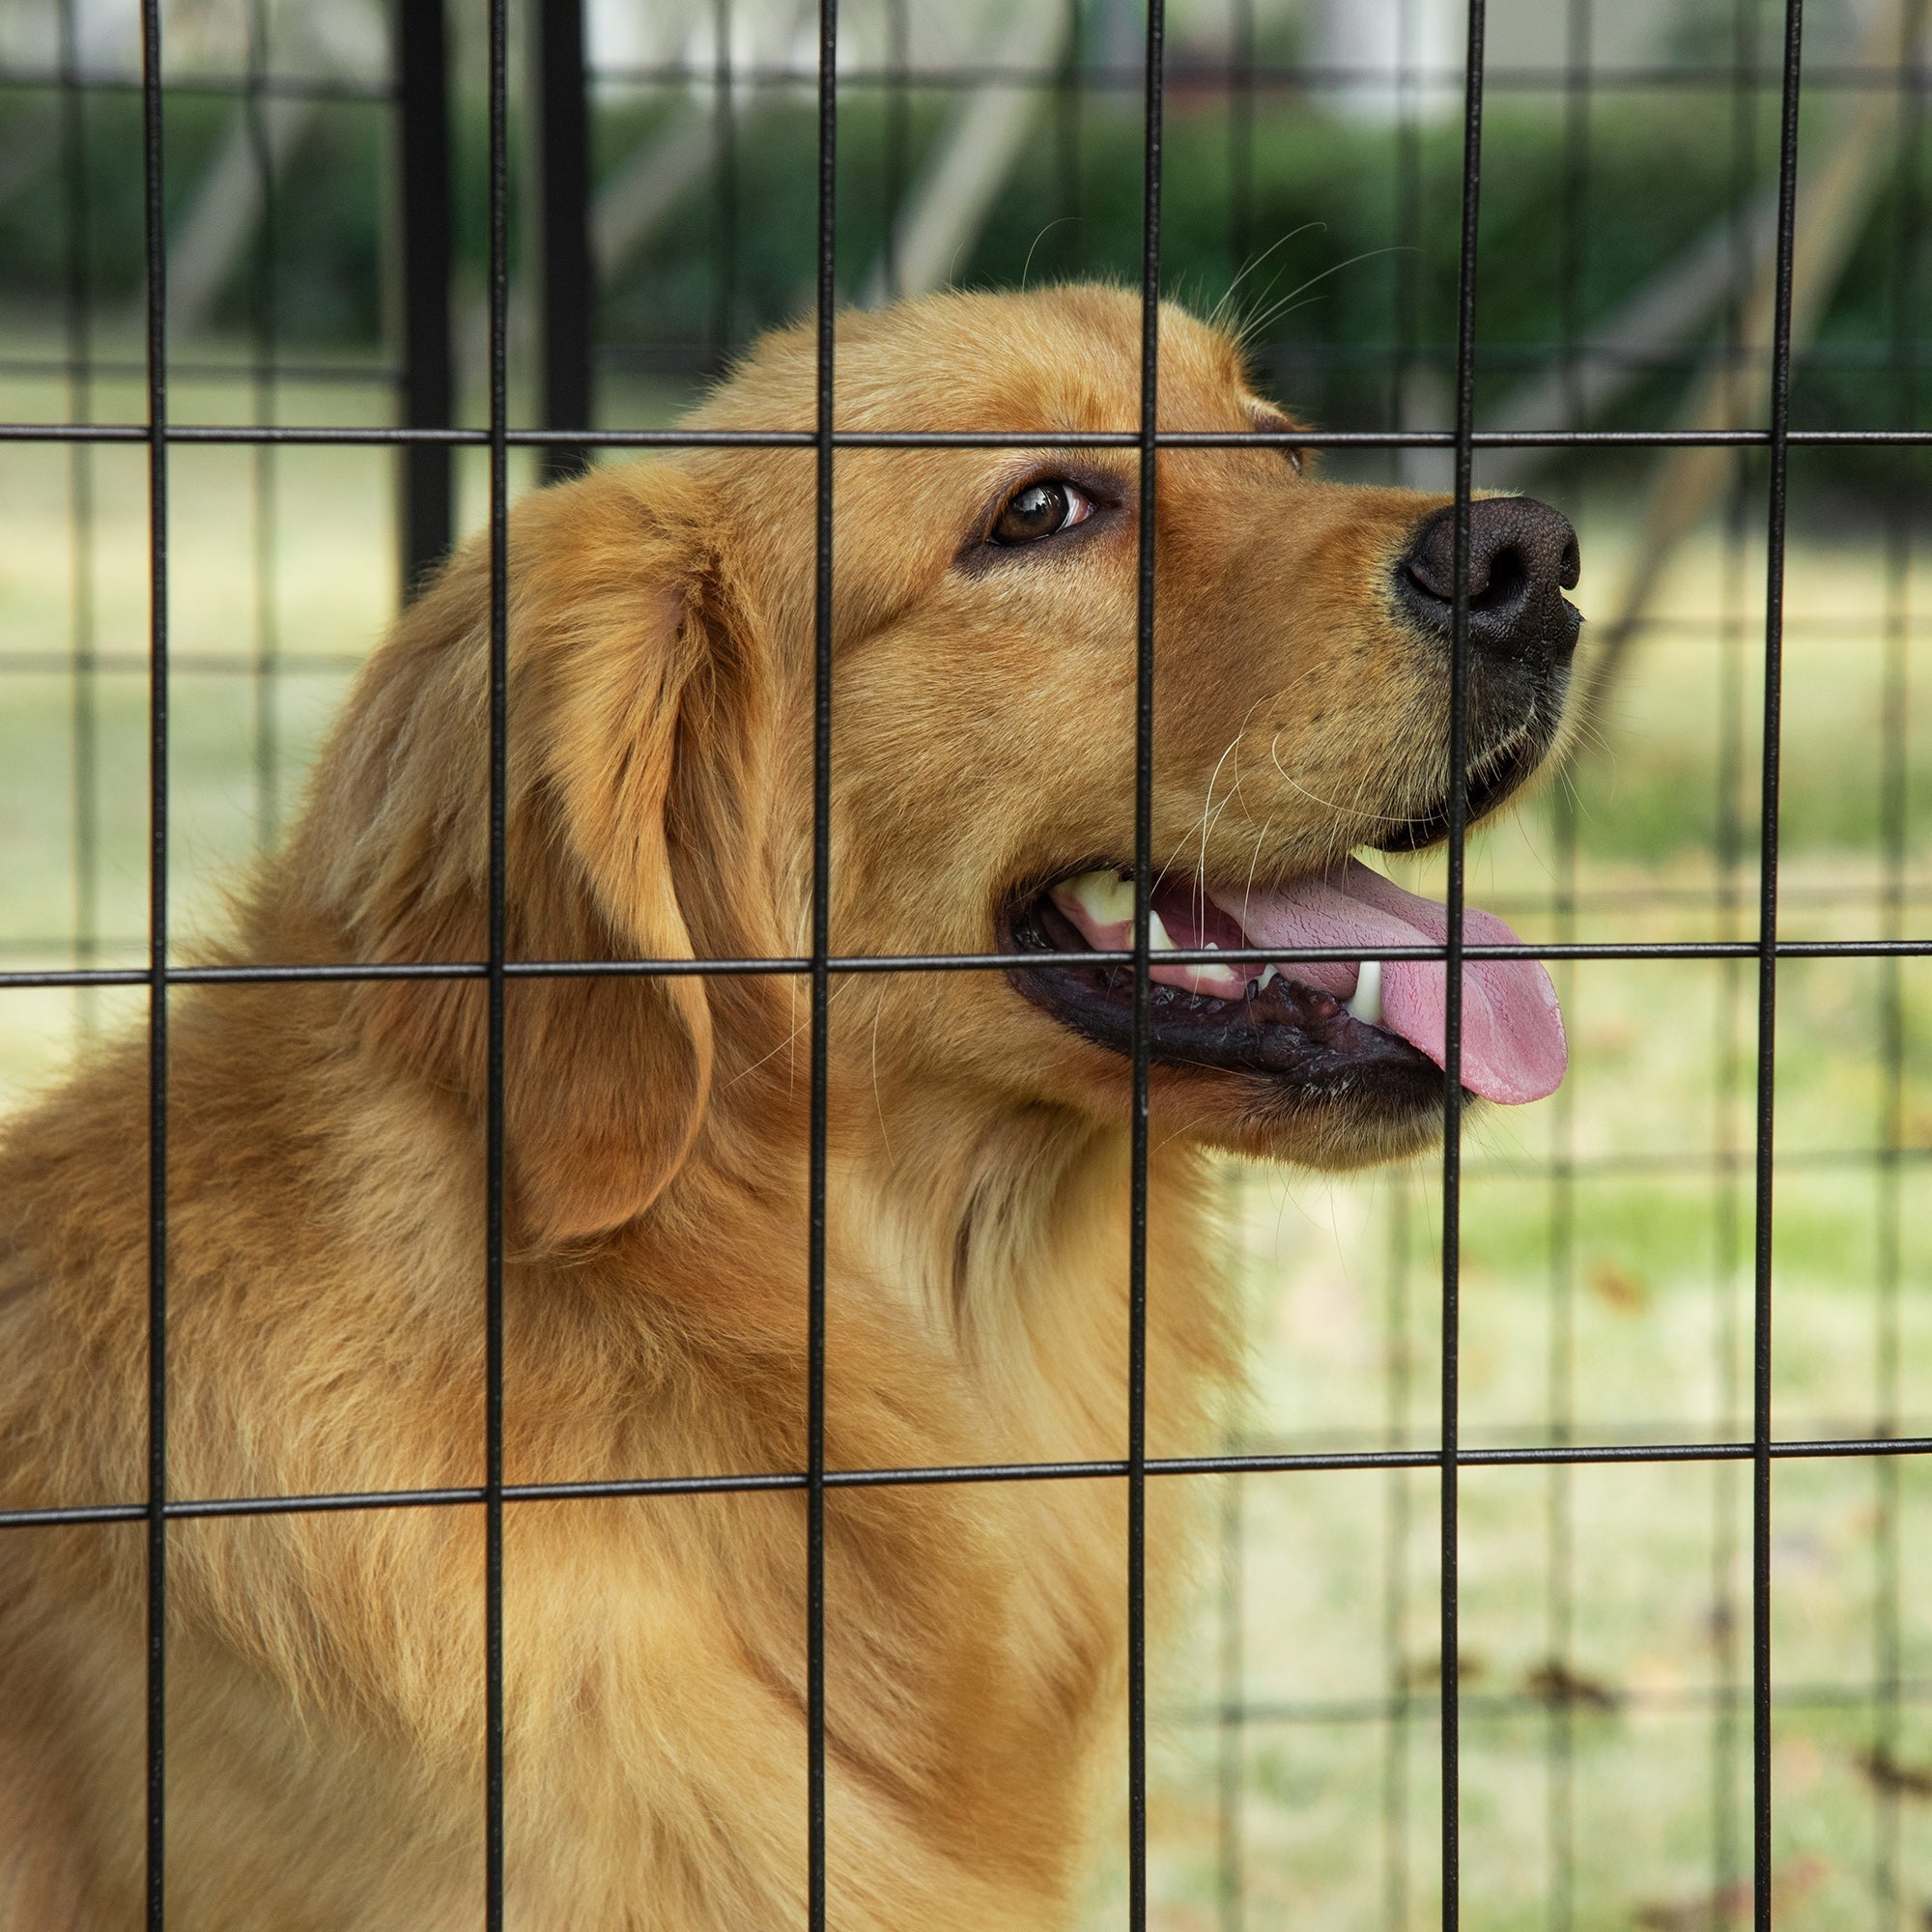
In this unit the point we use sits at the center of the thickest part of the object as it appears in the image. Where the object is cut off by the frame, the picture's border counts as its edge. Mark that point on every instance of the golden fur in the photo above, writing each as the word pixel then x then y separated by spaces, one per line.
pixel 326 1190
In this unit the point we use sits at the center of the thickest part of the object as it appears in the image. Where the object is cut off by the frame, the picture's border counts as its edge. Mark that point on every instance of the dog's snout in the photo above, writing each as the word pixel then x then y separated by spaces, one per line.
pixel 1522 557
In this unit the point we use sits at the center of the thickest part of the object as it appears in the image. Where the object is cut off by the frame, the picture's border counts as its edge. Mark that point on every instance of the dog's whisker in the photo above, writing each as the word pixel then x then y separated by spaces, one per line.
pixel 1248 890
pixel 1288 302
pixel 1254 261
pixel 1045 230
pixel 1350 810
pixel 1207 822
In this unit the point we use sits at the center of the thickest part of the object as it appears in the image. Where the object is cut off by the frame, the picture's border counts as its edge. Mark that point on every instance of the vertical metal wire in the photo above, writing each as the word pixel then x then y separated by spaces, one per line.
pixel 154 236
pixel 821 983
pixel 429 376
pixel 1140 1039
pixel 500 739
pixel 84 718
pixel 1452 1033
pixel 1767 996
pixel 1888 1635
pixel 568 295
pixel 265 320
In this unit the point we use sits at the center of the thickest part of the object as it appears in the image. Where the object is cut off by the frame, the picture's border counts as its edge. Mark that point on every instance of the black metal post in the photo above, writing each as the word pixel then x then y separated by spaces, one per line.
pixel 1767 978
pixel 494 1836
pixel 826 320
pixel 155 434
pixel 1140 1146
pixel 563 167
pixel 422 60
pixel 1452 1030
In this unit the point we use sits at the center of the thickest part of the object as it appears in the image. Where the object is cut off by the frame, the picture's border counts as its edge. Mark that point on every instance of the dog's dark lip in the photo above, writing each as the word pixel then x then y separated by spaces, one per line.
pixel 1488 786
pixel 1312 1052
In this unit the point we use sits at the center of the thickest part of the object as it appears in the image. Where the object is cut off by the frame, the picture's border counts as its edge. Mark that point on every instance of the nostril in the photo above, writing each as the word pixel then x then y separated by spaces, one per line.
pixel 1505 580
pixel 1497 578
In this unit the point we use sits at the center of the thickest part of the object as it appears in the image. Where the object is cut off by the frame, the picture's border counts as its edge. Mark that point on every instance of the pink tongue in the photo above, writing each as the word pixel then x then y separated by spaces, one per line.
pixel 1513 1046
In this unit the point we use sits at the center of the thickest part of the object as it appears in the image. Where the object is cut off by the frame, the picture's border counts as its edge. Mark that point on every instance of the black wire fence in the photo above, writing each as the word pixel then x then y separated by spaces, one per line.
pixel 1782 326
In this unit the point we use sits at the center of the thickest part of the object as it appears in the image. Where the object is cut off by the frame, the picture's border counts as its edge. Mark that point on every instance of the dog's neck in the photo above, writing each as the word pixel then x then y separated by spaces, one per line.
pixel 979 1253
pixel 954 1201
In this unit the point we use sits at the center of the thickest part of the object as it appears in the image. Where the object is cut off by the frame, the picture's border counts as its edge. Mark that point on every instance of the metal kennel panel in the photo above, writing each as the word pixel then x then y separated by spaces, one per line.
pixel 561 430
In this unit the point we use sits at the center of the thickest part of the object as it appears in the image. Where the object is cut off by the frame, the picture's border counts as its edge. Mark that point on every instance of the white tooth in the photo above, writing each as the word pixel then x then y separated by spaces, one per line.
pixel 1157 938
pixel 1108 898
pixel 1262 985
pixel 1367 1004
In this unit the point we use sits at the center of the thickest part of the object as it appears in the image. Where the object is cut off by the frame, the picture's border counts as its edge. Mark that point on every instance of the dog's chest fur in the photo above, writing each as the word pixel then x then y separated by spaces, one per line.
pixel 326 1668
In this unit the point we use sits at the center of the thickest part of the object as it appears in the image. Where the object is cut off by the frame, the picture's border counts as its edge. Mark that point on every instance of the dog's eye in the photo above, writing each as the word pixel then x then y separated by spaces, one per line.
pixel 1041 510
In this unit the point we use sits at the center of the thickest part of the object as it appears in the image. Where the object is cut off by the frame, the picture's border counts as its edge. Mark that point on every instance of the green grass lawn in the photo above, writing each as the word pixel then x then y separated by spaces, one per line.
pixel 1616 1304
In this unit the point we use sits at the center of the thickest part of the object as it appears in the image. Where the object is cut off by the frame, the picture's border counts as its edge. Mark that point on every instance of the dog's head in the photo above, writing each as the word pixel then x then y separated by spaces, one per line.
pixel 983 705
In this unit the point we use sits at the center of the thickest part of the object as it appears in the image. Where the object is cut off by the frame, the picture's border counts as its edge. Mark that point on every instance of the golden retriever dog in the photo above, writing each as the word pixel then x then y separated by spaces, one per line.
pixel 325 1186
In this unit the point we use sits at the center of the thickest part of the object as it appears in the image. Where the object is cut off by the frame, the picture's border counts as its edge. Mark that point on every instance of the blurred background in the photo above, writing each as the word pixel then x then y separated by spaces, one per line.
pixel 1313 167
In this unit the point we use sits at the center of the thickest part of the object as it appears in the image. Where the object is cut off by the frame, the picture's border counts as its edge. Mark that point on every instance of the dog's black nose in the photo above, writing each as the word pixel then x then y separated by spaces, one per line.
pixel 1522 557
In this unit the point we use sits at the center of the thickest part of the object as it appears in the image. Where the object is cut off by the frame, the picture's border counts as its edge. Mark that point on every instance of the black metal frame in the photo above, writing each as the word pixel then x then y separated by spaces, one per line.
pixel 426 439
pixel 429 382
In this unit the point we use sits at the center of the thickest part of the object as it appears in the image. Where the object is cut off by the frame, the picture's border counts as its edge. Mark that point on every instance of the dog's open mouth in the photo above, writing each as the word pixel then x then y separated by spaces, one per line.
pixel 1331 1029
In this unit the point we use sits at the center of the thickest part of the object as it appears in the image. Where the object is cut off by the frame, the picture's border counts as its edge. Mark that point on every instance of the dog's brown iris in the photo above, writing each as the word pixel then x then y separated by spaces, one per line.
pixel 1039 510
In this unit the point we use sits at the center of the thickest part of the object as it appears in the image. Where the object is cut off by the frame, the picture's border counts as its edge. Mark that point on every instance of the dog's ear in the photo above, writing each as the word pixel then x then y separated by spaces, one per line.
pixel 637 686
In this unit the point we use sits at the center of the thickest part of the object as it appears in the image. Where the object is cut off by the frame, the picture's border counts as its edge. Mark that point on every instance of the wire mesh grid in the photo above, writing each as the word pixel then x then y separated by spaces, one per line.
pixel 1746 951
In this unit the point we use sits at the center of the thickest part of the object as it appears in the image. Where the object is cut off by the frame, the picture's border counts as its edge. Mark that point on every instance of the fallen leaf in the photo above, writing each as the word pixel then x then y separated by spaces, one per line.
pixel 1887 1773
pixel 1619 1289
pixel 1555 1682
pixel 1731 1904
pixel 1426 1673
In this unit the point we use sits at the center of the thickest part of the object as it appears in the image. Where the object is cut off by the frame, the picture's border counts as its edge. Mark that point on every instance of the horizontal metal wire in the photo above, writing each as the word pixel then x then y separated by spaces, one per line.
pixel 1306 1463
pixel 1611 1701
pixel 1604 1426
pixel 1270 75
pixel 267 86
pixel 669 355
pixel 1182 75
pixel 1300 358
pixel 1704 1160
pixel 1694 631
pixel 959 962
pixel 111 368
pixel 335 436
pixel 181 664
